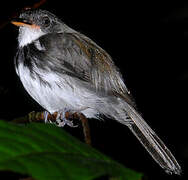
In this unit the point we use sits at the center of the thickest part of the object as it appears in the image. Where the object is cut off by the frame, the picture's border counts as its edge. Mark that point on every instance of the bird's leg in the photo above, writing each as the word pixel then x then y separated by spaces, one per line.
pixel 46 120
pixel 61 119
pixel 46 116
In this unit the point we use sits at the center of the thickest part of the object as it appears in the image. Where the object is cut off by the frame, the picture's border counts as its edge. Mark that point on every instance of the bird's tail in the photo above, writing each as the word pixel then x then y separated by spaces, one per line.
pixel 148 138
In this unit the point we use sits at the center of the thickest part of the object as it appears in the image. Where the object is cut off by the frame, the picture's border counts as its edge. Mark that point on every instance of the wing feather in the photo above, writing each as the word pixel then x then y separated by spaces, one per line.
pixel 78 55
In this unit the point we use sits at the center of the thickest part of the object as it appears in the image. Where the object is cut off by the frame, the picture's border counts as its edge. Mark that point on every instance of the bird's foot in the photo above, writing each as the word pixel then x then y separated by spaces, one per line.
pixel 46 120
pixel 46 116
pixel 61 119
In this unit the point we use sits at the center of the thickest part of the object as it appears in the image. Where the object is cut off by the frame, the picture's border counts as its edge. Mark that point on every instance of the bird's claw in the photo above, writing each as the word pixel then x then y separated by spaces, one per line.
pixel 61 120
pixel 46 120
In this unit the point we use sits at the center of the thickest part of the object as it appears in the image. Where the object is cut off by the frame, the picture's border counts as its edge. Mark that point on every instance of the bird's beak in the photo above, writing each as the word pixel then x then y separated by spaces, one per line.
pixel 23 22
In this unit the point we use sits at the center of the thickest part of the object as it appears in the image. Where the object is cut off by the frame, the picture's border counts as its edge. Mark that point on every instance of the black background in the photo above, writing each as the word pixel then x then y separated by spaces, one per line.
pixel 149 43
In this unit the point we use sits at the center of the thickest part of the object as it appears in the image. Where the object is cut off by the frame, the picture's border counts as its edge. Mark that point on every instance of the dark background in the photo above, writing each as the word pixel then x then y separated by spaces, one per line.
pixel 149 43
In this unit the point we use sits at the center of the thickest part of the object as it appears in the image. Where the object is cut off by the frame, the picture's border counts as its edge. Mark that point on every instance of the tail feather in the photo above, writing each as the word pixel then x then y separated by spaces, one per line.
pixel 152 143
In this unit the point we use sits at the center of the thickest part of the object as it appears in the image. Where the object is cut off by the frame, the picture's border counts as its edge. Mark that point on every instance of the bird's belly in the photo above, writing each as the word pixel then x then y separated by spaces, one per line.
pixel 55 93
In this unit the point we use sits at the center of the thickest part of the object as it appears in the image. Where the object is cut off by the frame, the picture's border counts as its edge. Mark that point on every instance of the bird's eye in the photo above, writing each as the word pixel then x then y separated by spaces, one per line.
pixel 46 21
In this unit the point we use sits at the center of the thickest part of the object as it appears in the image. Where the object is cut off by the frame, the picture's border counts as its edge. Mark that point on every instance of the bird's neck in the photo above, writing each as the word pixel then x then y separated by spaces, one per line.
pixel 28 35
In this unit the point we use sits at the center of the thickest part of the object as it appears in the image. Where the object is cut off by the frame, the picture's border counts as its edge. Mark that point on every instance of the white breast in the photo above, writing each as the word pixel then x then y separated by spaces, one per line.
pixel 61 95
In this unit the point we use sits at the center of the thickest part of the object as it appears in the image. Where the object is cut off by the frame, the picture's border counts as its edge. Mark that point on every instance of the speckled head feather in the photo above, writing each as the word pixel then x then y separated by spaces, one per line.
pixel 41 22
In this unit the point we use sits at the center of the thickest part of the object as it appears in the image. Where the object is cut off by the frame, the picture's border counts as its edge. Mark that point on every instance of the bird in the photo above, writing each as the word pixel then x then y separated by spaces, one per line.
pixel 64 70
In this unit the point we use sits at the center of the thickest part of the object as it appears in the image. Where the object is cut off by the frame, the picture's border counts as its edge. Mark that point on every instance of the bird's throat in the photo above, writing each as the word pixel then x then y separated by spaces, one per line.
pixel 28 35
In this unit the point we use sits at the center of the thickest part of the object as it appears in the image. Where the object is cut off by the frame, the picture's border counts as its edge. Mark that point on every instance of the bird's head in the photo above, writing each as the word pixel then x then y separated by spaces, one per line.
pixel 35 23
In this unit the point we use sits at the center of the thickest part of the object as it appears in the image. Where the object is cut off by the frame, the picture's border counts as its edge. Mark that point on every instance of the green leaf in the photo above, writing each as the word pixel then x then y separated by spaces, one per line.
pixel 47 152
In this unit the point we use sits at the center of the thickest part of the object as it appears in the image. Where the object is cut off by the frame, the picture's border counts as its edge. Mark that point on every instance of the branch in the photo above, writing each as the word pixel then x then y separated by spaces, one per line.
pixel 40 116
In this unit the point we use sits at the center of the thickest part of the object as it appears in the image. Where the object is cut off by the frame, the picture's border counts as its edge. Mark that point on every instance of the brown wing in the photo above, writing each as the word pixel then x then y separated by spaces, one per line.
pixel 104 74
pixel 79 56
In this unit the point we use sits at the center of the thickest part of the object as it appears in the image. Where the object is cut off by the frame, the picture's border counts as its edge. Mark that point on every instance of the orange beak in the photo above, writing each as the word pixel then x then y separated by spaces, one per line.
pixel 22 22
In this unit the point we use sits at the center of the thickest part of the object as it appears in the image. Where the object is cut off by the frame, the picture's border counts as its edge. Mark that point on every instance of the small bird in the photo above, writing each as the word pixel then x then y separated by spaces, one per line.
pixel 64 70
